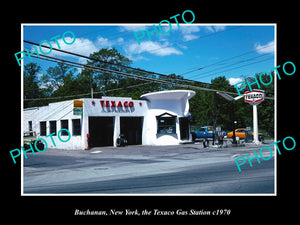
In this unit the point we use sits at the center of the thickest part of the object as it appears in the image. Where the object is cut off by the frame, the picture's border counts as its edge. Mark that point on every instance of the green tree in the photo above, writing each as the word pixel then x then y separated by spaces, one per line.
pixel 61 80
pixel 101 80
pixel 31 84
pixel 221 109
pixel 265 110
pixel 112 84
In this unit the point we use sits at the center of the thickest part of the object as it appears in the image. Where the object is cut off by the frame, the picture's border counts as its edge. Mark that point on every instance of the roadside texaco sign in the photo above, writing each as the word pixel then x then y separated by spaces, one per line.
pixel 254 97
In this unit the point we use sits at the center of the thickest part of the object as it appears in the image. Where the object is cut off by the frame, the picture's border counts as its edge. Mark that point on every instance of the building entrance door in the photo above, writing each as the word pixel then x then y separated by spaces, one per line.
pixel 184 127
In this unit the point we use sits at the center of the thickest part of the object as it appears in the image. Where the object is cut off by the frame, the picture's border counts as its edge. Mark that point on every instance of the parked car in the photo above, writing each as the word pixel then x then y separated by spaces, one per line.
pixel 241 133
pixel 30 137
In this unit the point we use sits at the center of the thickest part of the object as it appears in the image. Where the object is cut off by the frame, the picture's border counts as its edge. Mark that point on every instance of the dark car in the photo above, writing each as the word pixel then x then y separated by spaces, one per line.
pixel 29 137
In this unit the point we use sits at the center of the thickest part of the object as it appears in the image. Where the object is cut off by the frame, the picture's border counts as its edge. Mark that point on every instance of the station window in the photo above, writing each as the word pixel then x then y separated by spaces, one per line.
pixel 64 124
pixel 76 127
pixel 43 128
pixel 166 124
pixel 53 127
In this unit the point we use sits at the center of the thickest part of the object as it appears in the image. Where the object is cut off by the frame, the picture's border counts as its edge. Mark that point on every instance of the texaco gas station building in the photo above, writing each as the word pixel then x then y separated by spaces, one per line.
pixel 158 118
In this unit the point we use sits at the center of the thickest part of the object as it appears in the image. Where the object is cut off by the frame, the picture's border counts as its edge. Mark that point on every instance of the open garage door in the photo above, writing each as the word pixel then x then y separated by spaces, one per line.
pixel 101 130
pixel 132 128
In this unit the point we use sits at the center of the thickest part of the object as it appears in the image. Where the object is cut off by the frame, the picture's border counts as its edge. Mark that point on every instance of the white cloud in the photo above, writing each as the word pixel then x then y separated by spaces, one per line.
pixel 187 32
pixel 81 46
pixel 189 37
pixel 219 28
pixel 104 42
pixel 189 29
pixel 120 40
pixel 137 57
pixel 152 48
pixel 132 28
pixel 263 49
pixel 215 28
pixel 233 80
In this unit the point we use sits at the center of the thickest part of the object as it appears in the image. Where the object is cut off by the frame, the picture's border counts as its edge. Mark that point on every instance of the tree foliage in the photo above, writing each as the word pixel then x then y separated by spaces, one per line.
pixel 207 108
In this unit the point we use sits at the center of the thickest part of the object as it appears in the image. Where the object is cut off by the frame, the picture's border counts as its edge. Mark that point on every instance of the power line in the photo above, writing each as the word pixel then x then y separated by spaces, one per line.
pixel 221 62
pixel 123 66
pixel 204 36
pixel 159 74
pixel 119 73
pixel 210 74
pixel 169 45
pixel 128 67
pixel 96 92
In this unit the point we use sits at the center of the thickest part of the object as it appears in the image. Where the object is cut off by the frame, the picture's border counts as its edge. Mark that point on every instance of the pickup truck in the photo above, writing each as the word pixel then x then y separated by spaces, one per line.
pixel 206 132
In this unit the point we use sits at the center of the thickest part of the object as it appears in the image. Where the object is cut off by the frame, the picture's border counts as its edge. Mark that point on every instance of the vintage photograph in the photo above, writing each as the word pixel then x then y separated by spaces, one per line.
pixel 172 107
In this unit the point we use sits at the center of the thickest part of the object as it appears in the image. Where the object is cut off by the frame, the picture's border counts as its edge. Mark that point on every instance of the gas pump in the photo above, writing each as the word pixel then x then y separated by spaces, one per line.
pixel 219 135
pixel 248 135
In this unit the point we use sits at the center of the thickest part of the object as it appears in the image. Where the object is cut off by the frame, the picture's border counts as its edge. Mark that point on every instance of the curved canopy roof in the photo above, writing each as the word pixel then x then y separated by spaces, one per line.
pixel 165 95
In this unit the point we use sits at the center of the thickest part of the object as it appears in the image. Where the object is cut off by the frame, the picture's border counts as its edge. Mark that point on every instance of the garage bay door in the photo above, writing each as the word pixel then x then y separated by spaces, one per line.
pixel 132 127
pixel 101 130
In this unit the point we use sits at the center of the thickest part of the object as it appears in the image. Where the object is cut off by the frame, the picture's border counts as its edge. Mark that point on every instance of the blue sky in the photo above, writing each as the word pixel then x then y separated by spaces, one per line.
pixel 195 51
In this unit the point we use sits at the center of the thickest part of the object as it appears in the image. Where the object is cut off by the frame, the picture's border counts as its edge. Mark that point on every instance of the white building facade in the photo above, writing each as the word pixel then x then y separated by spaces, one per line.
pixel 158 118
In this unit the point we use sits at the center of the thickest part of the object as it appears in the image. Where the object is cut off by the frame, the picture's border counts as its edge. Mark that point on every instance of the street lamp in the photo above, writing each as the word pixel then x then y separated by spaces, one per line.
pixel 231 99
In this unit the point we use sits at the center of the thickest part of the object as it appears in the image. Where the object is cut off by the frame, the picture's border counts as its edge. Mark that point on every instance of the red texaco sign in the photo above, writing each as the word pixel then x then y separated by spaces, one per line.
pixel 254 97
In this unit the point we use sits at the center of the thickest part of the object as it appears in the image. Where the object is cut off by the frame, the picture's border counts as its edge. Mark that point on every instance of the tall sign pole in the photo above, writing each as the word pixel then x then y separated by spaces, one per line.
pixel 254 98
pixel 255 125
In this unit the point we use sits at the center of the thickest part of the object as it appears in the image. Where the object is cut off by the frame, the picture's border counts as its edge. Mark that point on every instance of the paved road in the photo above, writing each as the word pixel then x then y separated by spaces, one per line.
pixel 184 169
